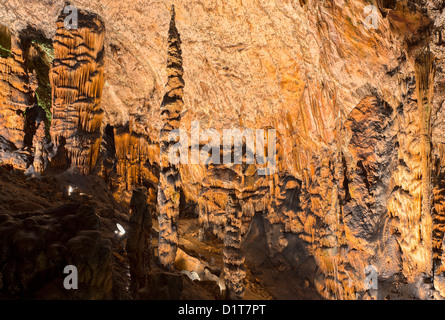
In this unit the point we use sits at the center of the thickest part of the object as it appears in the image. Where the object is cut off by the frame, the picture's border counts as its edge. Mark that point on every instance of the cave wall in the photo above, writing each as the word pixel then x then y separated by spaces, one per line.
pixel 358 113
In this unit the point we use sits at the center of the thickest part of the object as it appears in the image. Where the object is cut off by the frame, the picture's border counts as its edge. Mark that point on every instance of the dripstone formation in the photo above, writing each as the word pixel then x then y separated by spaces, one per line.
pixel 169 180
pixel 16 97
pixel 139 247
pixel 353 89
pixel 36 248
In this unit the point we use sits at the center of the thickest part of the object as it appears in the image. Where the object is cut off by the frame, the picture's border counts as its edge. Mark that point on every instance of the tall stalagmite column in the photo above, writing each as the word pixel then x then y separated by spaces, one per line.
pixel 234 271
pixel 169 180
pixel 139 248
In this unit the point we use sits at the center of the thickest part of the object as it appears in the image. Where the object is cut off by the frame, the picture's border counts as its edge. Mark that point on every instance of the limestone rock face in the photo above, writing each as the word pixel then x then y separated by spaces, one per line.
pixel 139 247
pixel 134 160
pixel 15 95
pixel 24 66
pixel 353 88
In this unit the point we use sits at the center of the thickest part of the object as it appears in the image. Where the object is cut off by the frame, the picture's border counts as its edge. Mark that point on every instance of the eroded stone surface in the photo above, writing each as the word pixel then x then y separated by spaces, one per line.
pixel 139 246
pixel 170 179
pixel 358 113
pixel 36 247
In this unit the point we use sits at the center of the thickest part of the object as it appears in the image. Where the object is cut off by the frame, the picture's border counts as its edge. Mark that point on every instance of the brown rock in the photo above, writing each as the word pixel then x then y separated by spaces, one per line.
pixel 77 78
pixel 169 180
pixel 162 286
pixel 139 247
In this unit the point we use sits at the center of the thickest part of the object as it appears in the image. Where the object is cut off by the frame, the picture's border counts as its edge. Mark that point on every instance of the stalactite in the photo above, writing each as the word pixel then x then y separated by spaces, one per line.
pixel 169 182
pixel 77 78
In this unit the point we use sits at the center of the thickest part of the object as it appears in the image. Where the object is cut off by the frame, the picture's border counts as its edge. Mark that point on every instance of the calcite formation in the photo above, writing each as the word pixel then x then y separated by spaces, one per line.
pixel 77 78
pixel 169 179
pixel 15 93
pixel 40 160
pixel 15 99
pixel 21 55
pixel 234 271
pixel 36 248
pixel 230 195
pixel 354 90
pixel 139 247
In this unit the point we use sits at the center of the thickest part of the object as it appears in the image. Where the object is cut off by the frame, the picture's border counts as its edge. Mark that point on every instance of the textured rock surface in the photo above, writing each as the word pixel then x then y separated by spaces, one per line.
pixel 139 247
pixel 15 98
pixel 234 271
pixel 134 161
pixel 15 95
pixel 77 77
pixel 358 113
pixel 36 247
pixel 170 179
pixel 45 229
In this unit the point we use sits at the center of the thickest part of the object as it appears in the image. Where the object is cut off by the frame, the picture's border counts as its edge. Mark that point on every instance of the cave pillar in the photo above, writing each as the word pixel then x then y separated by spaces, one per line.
pixel 139 248
pixel 233 257
pixel 425 73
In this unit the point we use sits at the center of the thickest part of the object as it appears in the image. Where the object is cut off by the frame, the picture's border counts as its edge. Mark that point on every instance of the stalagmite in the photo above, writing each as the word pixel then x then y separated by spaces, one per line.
pixel 139 247
pixel 169 182
pixel 358 115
